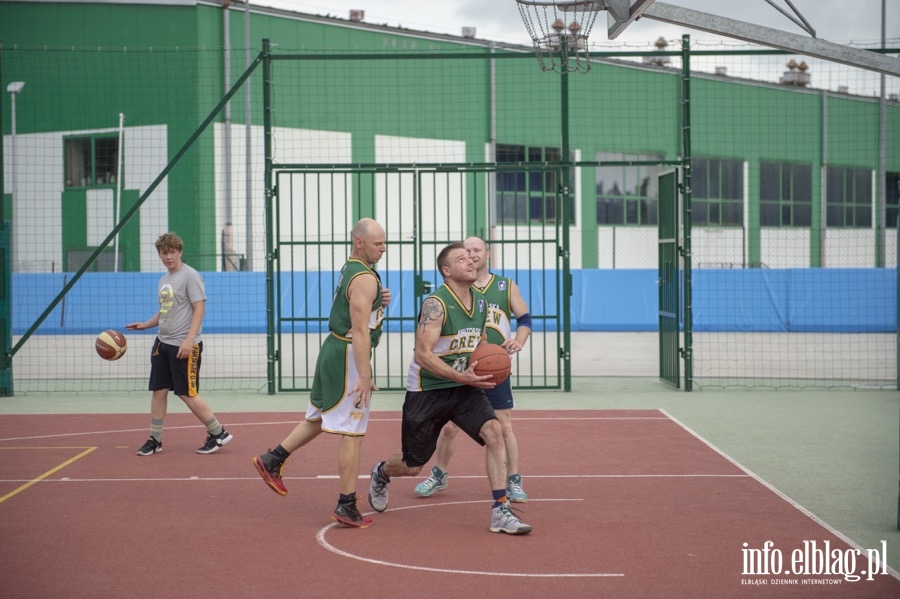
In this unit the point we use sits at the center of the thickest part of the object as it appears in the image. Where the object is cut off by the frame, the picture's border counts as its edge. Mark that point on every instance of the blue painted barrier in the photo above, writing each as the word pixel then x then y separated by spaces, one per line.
pixel 766 300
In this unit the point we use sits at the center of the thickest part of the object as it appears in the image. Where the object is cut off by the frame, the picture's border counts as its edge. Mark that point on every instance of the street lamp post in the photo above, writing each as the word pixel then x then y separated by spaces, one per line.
pixel 13 88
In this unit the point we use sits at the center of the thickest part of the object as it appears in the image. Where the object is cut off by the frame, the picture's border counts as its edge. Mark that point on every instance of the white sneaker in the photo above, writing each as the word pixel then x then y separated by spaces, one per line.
pixel 504 520
pixel 378 490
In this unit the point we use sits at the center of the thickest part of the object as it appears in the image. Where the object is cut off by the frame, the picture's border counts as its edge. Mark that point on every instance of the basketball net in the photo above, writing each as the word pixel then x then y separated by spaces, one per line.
pixel 559 31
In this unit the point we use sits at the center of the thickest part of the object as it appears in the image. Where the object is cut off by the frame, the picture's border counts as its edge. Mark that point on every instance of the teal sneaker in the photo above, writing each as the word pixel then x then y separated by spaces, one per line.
pixel 436 482
pixel 514 491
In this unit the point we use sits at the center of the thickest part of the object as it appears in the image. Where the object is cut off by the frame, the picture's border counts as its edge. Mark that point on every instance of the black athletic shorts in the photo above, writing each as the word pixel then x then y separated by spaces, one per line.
pixel 167 371
pixel 426 412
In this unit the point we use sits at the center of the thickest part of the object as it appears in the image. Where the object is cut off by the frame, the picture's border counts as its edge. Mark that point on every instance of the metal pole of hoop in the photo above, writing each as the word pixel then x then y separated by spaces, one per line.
pixel 564 194
pixel 559 31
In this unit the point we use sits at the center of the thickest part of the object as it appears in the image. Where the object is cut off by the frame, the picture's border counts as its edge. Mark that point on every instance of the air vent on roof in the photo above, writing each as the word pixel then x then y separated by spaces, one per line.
pixel 662 61
pixel 796 74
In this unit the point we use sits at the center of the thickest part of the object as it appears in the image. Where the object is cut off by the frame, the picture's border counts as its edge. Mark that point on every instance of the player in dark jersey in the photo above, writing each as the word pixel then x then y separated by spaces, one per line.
pixel 504 302
pixel 442 387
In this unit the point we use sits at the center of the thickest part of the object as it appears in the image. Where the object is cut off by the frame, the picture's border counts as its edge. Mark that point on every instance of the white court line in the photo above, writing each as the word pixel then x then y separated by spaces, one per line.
pixel 280 422
pixel 136 430
pixel 592 418
pixel 44 476
pixel 320 537
pixel 330 477
pixel 777 492
pixel 579 476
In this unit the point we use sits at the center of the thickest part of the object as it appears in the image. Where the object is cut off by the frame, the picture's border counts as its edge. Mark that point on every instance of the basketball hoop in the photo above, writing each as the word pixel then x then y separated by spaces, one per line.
pixel 559 30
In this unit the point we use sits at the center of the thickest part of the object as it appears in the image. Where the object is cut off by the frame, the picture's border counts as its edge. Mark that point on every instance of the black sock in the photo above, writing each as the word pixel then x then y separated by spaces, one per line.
pixel 281 453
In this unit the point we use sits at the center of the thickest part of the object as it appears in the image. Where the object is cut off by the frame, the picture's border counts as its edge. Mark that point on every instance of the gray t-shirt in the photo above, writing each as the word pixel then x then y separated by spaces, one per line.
pixel 177 292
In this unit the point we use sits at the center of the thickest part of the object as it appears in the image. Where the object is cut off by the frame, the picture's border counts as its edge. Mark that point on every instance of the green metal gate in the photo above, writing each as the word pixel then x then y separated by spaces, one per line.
pixel 422 210
pixel 669 313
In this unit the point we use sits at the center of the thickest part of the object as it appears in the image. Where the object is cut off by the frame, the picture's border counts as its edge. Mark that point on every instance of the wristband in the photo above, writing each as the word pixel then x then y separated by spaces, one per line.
pixel 524 320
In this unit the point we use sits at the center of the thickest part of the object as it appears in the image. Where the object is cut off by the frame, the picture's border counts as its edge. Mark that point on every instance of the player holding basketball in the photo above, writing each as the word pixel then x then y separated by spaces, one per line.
pixel 442 387
pixel 504 302
pixel 342 384
pixel 175 357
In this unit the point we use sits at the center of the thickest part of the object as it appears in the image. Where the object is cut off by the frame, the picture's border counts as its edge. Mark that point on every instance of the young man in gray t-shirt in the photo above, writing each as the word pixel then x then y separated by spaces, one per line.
pixel 175 358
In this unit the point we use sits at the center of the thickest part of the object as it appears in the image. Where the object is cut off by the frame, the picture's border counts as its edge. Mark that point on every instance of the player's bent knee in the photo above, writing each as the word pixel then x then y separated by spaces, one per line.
pixel 492 432
pixel 449 431
pixel 411 470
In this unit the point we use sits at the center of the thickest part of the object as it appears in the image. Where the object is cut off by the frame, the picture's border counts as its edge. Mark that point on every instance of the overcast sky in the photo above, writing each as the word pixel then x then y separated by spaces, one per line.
pixel 843 21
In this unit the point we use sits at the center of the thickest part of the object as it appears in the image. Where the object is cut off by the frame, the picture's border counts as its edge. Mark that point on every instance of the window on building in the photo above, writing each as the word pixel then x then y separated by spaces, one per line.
pixel 528 195
pixel 717 192
pixel 892 197
pixel 627 194
pixel 91 160
pixel 785 194
pixel 848 197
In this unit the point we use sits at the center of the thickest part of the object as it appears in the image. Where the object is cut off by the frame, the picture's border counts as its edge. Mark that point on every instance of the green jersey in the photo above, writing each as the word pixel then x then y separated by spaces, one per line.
pixel 460 333
pixel 499 327
pixel 339 319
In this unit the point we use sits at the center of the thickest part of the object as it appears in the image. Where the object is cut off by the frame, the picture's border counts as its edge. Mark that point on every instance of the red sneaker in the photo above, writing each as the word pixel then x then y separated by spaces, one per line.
pixel 269 467
pixel 348 515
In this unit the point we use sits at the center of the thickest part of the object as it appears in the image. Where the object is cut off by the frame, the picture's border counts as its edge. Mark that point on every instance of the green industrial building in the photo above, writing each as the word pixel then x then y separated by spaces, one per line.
pixel 783 171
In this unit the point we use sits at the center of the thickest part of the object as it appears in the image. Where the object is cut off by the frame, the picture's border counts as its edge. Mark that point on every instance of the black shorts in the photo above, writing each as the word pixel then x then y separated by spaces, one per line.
pixel 501 396
pixel 426 412
pixel 167 371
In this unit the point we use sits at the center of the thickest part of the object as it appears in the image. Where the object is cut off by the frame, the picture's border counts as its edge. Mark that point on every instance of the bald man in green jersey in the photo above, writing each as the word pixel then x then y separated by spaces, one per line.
pixel 342 383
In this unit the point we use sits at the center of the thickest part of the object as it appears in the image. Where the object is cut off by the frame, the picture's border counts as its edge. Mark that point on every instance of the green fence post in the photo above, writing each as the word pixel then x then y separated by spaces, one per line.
pixel 270 243
pixel 6 376
pixel 686 212
pixel 6 373
pixel 566 299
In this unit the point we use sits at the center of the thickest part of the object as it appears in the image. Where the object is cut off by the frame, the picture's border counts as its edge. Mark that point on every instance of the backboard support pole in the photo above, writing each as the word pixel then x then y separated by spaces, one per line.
pixel 767 36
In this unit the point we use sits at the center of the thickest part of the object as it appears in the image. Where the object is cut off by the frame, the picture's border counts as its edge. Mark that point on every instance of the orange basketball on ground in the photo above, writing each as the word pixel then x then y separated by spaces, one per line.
pixel 110 345
pixel 492 359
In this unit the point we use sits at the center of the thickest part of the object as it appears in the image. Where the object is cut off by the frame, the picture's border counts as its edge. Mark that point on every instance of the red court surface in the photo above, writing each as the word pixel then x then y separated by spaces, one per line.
pixel 623 504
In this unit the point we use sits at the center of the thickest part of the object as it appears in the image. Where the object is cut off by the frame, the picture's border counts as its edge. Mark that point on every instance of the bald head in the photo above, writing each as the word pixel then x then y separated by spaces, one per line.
pixel 475 242
pixel 364 228
pixel 368 240
pixel 478 251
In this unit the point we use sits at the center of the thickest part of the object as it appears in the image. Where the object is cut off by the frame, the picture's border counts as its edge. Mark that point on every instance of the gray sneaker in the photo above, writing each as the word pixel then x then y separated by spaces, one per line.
pixel 436 482
pixel 514 490
pixel 378 490
pixel 504 520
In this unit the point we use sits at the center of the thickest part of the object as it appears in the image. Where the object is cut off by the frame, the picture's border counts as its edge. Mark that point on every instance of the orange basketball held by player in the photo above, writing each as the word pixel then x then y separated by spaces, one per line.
pixel 490 358
pixel 110 345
